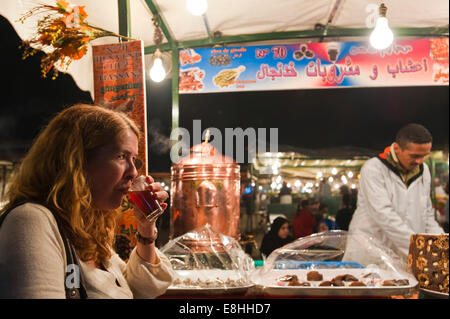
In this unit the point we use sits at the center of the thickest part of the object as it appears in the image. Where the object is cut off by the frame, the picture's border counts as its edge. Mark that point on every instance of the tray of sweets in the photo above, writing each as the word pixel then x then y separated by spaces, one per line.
pixel 343 282
pixel 209 282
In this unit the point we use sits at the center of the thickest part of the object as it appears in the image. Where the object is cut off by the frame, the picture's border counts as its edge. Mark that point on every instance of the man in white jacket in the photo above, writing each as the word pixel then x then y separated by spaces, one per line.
pixel 394 196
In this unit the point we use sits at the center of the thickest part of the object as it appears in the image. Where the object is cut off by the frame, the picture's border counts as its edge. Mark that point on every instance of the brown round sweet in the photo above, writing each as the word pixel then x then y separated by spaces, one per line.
pixel 314 276
pixel 357 284
pixel 326 283
pixel 346 277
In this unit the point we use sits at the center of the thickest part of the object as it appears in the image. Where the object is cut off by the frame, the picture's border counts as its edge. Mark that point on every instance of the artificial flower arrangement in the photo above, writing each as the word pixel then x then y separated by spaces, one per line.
pixel 64 33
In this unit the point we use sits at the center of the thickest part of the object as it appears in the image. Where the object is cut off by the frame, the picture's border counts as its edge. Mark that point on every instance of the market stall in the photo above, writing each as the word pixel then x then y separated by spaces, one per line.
pixel 312 174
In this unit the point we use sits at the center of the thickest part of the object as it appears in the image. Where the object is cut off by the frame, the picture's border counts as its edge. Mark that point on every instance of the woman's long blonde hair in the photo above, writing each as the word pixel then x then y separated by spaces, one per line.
pixel 54 174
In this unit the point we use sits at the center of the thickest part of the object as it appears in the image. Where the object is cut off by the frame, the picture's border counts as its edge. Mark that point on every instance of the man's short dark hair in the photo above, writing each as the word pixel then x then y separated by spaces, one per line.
pixel 413 133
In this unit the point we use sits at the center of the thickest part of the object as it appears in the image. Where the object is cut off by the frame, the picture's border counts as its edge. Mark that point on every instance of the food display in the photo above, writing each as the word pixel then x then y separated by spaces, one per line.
pixel 208 262
pixel 225 78
pixel 428 261
pixel 321 265
pixel 439 48
pixel 191 80
pixel 314 276
pixel 336 282
pixel 219 281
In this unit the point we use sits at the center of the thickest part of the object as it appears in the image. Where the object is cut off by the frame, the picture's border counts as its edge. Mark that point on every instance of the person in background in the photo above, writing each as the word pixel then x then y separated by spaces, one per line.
pixel 324 189
pixel 314 206
pixel 278 236
pixel 285 194
pixel 326 224
pixel 345 213
pixel 319 214
pixel 354 193
pixel 285 190
pixel 303 222
pixel 394 196
pixel 76 175
pixel 438 188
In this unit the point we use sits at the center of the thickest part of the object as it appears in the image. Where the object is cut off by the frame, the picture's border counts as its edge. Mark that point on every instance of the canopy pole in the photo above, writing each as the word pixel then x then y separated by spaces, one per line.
pixel 208 30
pixel 290 35
pixel 124 18
pixel 175 87
pixel 155 12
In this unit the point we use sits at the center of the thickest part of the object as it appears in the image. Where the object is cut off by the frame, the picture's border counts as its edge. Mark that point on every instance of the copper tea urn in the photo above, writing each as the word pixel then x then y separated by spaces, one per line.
pixel 205 189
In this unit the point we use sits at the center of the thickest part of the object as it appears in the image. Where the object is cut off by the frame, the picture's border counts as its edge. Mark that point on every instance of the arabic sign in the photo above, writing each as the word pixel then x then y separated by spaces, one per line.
pixel 119 84
pixel 421 62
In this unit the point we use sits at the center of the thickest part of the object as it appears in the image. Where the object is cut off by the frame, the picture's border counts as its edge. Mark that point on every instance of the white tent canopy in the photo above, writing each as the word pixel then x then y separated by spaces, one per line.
pixel 233 18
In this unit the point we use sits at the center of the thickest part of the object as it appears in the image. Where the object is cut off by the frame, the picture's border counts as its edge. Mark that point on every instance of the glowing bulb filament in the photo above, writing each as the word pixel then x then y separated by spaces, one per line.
pixel 381 36
pixel 197 7
pixel 157 72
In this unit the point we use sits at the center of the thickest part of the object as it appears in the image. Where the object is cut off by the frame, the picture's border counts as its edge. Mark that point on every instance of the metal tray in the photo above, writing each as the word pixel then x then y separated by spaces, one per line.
pixel 271 286
pixel 212 276
pixel 431 294
pixel 229 291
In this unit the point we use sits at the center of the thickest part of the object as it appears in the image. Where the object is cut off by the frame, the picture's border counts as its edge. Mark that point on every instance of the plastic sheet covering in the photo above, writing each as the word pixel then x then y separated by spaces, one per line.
pixel 335 249
pixel 331 255
pixel 204 258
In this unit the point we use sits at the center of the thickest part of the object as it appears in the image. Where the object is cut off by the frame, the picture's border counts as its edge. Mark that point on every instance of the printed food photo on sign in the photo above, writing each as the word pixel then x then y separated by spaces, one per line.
pixel 439 54
pixel 189 57
pixel 440 72
pixel 303 52
pixel 225 78
pixel 191 80
pixel 220 59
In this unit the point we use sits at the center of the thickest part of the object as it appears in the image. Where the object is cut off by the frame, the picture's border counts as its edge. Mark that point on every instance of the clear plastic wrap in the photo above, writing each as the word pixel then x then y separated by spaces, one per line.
pixel 204 259
pixel 334 263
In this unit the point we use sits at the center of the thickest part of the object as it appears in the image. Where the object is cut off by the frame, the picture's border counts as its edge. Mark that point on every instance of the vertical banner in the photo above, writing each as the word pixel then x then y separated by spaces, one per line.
pixel 119 84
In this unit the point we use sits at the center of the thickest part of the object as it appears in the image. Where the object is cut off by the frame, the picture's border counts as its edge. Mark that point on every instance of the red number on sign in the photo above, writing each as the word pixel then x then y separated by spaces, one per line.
pixel 279 52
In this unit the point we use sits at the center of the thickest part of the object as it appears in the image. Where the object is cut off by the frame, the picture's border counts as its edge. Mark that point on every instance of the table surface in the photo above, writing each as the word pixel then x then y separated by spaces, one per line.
pixel 257 292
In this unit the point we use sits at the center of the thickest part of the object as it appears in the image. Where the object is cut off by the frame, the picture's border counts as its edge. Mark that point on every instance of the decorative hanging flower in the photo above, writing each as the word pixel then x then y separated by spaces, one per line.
pixel 63 33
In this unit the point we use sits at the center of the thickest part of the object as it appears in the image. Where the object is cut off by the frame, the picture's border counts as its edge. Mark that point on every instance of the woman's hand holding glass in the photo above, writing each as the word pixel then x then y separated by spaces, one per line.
pixel 148 200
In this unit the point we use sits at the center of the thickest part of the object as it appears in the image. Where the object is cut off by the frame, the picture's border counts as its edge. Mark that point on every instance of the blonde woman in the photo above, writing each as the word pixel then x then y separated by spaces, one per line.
pixel 69 186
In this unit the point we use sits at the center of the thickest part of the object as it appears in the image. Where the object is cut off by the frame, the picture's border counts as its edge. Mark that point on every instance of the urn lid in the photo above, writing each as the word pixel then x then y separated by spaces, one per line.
pixel 205 153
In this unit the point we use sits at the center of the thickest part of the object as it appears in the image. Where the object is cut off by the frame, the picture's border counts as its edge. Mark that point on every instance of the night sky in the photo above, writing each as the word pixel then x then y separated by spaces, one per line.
pixel 312 119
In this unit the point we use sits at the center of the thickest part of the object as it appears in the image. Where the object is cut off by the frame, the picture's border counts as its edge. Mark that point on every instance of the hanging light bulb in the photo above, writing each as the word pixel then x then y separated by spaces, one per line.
pixel 157 72
pixel 381 36
pixel 197 7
